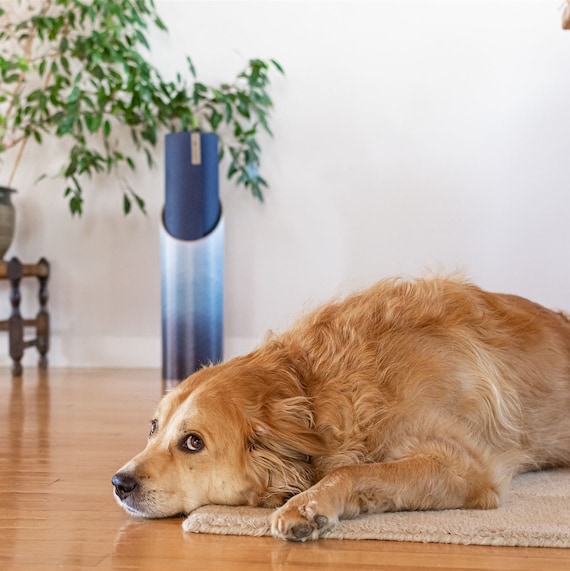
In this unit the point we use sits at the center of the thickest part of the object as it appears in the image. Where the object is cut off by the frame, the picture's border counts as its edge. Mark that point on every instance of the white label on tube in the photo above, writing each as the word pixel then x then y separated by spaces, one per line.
pixel 195 149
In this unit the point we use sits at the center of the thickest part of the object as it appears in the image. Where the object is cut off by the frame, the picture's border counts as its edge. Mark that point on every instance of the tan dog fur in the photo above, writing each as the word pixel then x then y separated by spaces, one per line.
pixel 418 395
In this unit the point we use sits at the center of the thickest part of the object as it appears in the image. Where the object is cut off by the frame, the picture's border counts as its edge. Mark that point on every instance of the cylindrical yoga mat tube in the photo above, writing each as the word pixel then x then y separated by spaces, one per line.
pixel 192 202
pixel 192 256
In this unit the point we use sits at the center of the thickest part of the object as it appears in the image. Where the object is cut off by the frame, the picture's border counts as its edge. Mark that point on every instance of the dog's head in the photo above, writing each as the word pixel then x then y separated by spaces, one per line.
pixel 239 433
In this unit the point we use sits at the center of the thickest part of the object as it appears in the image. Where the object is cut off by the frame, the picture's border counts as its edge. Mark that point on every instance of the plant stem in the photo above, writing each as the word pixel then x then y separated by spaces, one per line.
pixel 17 161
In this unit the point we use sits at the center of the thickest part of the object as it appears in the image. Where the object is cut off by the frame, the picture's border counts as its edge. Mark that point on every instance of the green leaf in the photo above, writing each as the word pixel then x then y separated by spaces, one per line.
pixel 126 204
pixel 140 203
pixel 74 95
pixel 142 39
pixel 149 159
pixel 278 66
pixel 232 170
pixel 215 119
pixel 65 127
pixel 191 66
pixel 75 203
pixel 35 95
pixel 65 65
pixel 160 24
pixel 93 121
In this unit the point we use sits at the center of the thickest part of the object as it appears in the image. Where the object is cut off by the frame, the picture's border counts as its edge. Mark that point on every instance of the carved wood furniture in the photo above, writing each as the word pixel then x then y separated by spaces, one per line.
pixel 14 271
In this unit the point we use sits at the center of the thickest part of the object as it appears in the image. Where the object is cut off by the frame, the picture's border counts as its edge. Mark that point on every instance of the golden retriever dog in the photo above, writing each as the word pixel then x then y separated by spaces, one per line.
pixel 420 395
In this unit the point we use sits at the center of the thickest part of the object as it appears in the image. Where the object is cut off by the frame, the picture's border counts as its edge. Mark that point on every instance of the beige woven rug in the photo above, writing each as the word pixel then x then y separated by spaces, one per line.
pixel 534 513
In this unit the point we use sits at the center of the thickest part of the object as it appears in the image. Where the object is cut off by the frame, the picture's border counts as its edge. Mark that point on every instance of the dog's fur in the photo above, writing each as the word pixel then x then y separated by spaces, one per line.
pixel 417 395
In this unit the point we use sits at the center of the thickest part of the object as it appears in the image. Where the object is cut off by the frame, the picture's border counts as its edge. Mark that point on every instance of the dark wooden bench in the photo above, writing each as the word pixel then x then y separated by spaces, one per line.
pixel 14 271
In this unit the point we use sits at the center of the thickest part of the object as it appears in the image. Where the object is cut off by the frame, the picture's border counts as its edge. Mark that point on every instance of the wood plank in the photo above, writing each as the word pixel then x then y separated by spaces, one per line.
pixel 64 434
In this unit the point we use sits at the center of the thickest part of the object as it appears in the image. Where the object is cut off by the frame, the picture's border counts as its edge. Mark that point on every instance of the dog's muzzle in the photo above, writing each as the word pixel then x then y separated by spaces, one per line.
pixel 125 484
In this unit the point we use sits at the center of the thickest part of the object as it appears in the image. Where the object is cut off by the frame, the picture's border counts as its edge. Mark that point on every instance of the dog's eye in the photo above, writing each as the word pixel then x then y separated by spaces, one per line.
pixel 153 426
pixel 193 443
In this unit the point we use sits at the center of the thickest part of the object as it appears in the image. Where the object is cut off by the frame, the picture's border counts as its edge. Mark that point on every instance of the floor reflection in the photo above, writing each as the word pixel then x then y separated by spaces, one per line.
pixel 25 453
pixel 140 542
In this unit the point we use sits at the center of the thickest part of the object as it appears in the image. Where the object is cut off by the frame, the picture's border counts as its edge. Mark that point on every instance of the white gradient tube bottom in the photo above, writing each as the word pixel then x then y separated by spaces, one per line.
pixel 192 299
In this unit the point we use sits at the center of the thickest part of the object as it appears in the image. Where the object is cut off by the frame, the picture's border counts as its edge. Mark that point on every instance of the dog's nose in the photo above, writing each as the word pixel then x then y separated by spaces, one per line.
pixel 124 483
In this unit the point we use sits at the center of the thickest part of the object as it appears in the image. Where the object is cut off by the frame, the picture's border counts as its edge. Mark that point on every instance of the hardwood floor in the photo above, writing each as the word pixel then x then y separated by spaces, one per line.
pixel 64 434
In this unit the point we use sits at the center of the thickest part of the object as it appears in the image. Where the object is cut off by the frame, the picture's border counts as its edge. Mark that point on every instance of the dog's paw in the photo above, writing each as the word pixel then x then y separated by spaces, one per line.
pixel 301 519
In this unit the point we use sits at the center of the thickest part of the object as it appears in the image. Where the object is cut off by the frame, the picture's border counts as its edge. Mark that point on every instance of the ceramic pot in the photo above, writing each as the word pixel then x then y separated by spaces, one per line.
pixel 7 219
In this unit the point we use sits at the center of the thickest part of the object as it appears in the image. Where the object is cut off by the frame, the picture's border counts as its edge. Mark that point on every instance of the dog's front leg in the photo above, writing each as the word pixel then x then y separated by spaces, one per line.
pixel 420 482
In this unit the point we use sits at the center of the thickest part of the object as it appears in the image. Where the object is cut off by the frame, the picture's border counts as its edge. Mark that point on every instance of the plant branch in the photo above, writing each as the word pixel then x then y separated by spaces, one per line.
pixel 17 161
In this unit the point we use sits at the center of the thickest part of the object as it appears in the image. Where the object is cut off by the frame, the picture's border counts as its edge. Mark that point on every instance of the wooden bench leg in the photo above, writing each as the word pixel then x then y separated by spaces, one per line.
pixel 42 319
pixel 15 322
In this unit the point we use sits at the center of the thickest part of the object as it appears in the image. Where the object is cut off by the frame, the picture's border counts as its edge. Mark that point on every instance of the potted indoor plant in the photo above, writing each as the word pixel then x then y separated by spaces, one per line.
pixel 76 71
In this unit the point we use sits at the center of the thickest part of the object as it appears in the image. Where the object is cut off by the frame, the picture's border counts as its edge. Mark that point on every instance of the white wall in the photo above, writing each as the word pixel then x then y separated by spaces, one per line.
pixel 408 136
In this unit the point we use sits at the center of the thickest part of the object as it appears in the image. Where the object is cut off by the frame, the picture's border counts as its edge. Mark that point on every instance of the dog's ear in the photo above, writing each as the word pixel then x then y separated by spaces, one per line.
pixel 286 427
pixel 282 441
pixel 281 436
pixel 282 420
